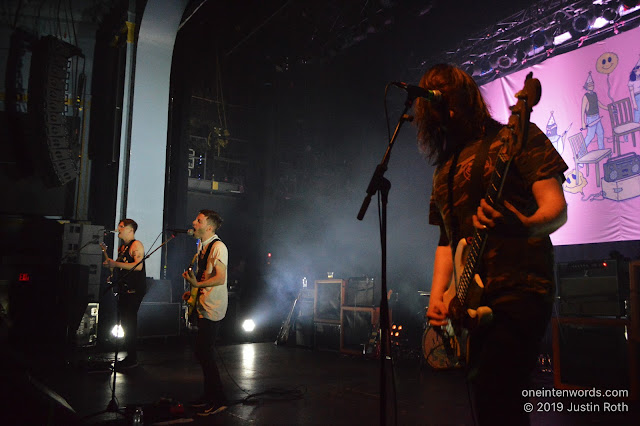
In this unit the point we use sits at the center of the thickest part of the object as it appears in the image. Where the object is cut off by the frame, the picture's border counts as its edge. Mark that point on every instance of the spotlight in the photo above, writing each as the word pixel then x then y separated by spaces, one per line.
pixel 541 39
pixel 248 325
pixel 505 58
pixel 117 331
pixel 610 14
pixel 582 23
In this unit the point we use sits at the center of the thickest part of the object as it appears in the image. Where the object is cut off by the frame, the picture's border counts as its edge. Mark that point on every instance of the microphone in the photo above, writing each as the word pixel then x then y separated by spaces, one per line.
pixel 181 231
pixel 111 231
pixel 419 92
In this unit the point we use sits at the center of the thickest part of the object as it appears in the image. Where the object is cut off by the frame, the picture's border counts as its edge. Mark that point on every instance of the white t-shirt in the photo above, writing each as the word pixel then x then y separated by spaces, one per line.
pixel 213 301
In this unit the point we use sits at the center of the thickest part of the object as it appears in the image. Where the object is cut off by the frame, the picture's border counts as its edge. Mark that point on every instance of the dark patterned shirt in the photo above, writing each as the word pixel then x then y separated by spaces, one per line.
pixel 509 262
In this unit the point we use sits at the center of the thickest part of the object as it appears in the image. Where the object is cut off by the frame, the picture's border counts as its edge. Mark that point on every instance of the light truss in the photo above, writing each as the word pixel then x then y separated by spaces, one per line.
pixel 547 28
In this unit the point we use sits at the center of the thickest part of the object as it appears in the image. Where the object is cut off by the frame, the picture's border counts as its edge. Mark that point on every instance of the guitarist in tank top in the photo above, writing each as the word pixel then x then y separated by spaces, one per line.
pixel 132 287
pixel 516 268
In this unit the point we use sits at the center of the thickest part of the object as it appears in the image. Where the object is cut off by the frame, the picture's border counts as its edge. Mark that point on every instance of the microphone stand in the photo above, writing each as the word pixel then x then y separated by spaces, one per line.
pixel 380 184
pixel 112 407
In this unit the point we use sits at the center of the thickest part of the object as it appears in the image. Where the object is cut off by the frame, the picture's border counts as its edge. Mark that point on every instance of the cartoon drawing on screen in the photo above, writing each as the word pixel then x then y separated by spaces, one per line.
pixel 574 182
pixel 634 91
pixel 590 114
pixel 606 64
pixel 552 133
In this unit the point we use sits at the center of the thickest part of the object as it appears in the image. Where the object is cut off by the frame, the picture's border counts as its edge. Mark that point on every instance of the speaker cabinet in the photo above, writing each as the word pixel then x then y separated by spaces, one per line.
pixel 329 295
pixel 591 288
pixel 634 300
pixel 304 319
pixel 54 129
pixel 87 332
pixel 158 291
pixel 357 325
pixel 362 291
pixel 159 319
pixel 594 352
pixel 326 336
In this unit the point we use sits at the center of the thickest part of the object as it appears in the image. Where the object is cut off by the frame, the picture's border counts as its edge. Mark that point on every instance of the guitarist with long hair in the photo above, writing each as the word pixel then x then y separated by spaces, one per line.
pixel 513 276
pixel 211 306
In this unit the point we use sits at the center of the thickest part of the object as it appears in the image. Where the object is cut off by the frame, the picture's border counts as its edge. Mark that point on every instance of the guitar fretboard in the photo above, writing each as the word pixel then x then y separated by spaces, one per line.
pixel 479 241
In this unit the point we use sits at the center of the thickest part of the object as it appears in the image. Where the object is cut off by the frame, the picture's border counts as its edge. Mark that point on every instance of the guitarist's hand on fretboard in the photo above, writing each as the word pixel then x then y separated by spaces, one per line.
pixel 507 222
pixel 190 277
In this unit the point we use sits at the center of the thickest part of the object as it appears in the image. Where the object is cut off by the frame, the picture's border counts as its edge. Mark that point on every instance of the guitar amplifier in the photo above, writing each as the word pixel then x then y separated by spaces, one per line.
pixel 621 167
pixel 591 288
pixel 362 291
pixel 593 352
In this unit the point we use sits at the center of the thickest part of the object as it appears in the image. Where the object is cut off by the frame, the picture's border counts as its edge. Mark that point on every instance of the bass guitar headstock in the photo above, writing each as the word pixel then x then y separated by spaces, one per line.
pixel 519 121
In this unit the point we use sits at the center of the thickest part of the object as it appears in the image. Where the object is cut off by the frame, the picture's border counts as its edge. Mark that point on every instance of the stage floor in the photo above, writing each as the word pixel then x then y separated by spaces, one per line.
pixel 276 385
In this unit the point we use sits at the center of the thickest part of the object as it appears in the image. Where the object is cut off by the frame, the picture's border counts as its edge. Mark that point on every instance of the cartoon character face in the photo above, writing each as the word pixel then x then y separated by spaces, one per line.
pixel 606 63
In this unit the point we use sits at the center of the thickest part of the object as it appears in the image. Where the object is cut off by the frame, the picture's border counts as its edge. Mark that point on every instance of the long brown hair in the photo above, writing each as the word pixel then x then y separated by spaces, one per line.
pixel 461 95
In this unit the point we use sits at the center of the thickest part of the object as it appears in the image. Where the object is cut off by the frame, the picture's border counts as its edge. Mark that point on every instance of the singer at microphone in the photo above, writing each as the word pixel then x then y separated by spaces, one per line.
pixel 419 92
pixel 130 276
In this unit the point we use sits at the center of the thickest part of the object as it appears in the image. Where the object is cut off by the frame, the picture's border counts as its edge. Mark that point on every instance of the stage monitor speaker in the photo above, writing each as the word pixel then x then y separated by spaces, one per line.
pixel 362 291
pixel 329 295
pixel 74 291
pixel 26 401
pixel 591 288
pixel 594 352
pixel 357 324
pixel 159 319
pixel 158 291
pixel 326 336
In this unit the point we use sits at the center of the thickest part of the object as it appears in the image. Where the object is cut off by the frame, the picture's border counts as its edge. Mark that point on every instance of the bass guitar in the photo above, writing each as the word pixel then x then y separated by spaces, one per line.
pixel 464 293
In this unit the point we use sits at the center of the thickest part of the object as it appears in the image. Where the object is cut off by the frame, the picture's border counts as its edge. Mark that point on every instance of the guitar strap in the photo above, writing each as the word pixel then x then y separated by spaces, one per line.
pixel 202 261
pixel 476 189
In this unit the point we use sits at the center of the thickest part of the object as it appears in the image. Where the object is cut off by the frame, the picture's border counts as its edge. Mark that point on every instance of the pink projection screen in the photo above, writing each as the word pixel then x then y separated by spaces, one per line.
pixel 590 112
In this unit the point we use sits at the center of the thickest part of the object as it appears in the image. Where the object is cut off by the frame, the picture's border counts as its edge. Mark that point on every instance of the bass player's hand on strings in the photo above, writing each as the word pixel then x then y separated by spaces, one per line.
pixel 437 312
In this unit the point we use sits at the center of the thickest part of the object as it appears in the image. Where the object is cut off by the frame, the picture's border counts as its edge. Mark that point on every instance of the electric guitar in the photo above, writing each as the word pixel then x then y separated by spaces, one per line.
pixel 191 296
pixel 463 295
pixel 283 334
pixel 103 247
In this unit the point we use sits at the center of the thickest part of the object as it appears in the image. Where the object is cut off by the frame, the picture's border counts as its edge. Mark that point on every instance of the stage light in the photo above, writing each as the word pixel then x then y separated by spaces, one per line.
pixel 582 23
pixel 559 39
pixel 248 325
pixel 505 58
pixel 599 23
pixel 610 14
pixel 628 7
pixel 541 39
pixel 117 331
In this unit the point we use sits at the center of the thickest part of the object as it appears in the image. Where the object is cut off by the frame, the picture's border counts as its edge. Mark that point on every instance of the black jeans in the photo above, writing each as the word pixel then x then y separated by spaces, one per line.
pixel 504 354
pixel 205 353
pixel 128 305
